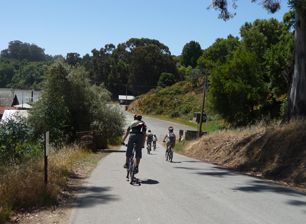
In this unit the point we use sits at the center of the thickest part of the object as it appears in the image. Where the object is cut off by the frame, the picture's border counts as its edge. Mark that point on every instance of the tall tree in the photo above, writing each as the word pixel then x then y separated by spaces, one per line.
pixel 296 104
pixel 190 54
pixel 219 52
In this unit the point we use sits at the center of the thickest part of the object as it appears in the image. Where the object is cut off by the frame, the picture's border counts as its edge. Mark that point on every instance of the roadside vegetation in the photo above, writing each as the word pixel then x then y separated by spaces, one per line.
pixel 68 104
pixel 269 151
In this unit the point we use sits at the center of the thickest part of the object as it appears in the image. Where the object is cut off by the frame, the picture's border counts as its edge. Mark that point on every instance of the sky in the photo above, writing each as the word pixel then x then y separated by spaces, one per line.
pixel 79 26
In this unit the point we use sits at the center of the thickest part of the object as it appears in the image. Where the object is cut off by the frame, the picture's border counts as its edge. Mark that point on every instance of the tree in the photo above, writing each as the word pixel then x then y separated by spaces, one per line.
pixel 219 52
pixel 190 54
pixel 296 104
pixel 237 89
pixel 166 79
pixel 6 74
pixel 73 58
pixel 261 35
pixel 70 104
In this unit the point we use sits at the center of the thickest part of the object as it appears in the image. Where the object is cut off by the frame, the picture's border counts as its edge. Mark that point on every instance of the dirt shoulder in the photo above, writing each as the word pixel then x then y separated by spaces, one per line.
pixel 60 212
pixel 275 154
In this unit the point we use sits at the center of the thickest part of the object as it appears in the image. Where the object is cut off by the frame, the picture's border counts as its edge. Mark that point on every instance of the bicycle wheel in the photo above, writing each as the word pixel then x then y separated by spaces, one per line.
pixel 170 154
pixel 148 149
pixel 132 172
pixel 166 155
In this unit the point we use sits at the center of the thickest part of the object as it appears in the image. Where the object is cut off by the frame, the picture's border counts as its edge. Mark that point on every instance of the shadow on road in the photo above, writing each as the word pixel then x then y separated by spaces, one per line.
pixel 110 150
pixel 256 186
pixel 91 196
pixel 147 181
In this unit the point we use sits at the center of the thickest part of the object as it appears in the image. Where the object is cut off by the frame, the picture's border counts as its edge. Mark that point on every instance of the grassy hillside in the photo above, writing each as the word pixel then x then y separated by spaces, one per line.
pixel 176 103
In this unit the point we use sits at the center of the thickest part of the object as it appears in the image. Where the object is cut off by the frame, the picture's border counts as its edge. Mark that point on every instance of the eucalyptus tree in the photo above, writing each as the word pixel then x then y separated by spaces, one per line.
pixel 101 63
pixel 190 54
pixel 296 105
pixel 143 60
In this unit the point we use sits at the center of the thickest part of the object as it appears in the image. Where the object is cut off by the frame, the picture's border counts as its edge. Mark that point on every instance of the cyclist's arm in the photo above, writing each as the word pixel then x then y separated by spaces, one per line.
pixel 126 134
pixel 165 137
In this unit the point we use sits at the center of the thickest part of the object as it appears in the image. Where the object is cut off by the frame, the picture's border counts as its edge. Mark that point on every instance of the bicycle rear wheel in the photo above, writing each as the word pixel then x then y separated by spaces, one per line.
pixel 132 171
pixel 148 149
pixel 170 154
pixel 166 155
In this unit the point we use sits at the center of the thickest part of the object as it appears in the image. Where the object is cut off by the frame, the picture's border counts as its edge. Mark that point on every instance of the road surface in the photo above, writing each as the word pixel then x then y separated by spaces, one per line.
pixel 184 191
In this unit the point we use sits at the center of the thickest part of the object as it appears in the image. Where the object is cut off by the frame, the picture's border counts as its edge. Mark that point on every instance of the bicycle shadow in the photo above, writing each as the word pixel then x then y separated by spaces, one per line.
pixel 146 181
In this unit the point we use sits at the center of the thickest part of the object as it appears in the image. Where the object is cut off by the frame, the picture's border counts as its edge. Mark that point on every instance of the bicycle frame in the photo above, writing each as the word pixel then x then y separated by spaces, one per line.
pixel 169 154
pixel 132 165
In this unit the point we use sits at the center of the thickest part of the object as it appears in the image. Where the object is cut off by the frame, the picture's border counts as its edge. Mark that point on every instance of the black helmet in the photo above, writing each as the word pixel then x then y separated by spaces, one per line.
pixel 149 131
pixel 137 117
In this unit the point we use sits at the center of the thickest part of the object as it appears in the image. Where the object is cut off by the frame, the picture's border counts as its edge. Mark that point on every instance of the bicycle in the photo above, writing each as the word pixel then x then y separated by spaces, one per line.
pixel 154 146
pixel 169 153
pixel 132 165
pixel 149 147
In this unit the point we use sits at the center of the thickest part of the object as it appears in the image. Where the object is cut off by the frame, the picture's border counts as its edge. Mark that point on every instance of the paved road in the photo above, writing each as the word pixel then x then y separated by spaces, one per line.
pixel 185 191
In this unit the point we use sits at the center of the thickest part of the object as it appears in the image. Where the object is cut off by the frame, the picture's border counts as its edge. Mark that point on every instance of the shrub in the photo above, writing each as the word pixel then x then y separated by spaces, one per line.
pixel 17 142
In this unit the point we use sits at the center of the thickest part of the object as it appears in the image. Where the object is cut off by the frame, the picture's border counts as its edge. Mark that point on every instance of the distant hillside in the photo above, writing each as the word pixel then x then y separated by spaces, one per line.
pixel 178 102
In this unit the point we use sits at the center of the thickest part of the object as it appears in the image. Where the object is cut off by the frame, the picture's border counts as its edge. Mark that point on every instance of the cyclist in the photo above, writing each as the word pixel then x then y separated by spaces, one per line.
pixel 154 140
pixel 149 138
pixel 137 131
pixel 170 138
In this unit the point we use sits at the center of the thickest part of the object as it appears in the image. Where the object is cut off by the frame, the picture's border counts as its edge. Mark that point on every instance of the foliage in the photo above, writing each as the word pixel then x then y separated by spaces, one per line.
pixel 6 74
pixel 261 35
pixel 277 58
pixel 237 89
pixel 20 51
pixel 79 106
pixel 222 6
pixel 196 77
pixel 166 79
pixel 190 54
pixel 175 101
pixel 50 114
pixel 219 52
pixel 17 141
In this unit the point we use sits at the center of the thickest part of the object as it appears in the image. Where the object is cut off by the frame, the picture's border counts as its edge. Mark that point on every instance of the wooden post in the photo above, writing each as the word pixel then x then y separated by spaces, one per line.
pixel 46 156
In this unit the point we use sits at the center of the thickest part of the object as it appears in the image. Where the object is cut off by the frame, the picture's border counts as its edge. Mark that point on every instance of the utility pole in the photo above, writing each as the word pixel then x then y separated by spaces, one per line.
pixel 202 109
pixel 126 97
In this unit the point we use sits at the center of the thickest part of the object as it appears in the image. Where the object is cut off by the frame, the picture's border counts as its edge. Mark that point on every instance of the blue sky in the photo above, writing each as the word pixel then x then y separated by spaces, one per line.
pixel 64 26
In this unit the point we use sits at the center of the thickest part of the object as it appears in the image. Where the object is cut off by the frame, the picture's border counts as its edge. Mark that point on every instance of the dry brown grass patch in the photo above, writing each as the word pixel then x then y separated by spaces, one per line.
pixel 274 152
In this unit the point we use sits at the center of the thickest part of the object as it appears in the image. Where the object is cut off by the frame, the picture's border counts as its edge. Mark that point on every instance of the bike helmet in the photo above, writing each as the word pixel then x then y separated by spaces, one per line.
pixel 170 128
pixel 137 117
pixel 149 131
pixel 154 134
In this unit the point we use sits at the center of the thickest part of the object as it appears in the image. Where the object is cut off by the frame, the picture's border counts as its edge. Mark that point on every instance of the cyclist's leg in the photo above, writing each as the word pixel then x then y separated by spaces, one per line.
pixel 138 141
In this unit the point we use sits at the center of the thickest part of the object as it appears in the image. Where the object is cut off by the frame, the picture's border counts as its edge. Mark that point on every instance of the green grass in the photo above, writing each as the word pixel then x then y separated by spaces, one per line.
pixel 213 125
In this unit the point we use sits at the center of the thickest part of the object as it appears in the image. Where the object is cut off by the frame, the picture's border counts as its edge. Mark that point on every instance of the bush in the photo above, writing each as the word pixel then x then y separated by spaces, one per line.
pixel 174 114
pixel 17 142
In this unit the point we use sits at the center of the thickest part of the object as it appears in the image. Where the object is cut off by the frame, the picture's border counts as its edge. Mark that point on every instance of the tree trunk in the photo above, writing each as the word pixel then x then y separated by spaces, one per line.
pixel 296 104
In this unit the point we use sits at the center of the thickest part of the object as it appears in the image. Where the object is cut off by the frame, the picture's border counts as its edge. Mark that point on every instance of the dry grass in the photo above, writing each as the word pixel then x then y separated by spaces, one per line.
pixel 273 152
pixel 23 186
